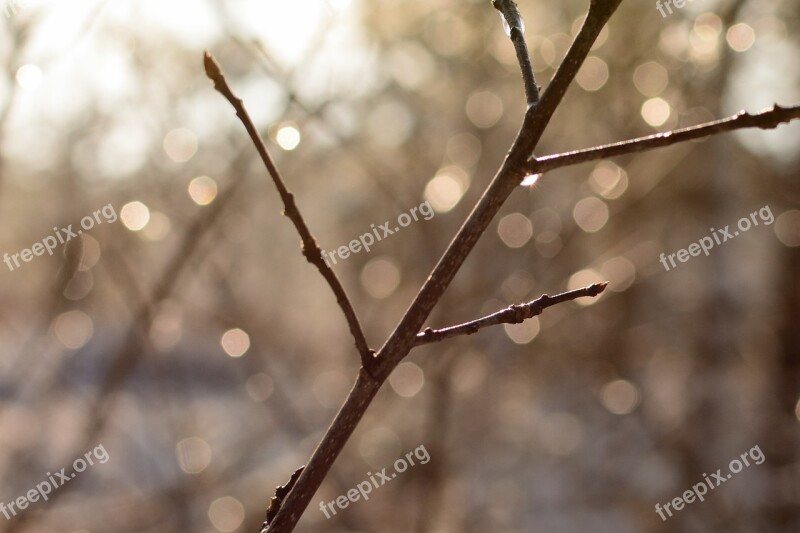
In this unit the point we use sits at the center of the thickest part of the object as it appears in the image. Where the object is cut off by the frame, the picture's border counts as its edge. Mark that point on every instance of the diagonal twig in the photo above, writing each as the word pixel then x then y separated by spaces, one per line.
pixel 768 119
pixel 516 31
pixel 311 249
pixel 513 314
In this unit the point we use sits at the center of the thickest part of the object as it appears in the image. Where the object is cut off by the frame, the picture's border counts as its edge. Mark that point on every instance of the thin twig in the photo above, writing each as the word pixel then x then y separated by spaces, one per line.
pixel 311 249
pixel 516 31
pixel 403 338
pixel 768 119
pixel 513 314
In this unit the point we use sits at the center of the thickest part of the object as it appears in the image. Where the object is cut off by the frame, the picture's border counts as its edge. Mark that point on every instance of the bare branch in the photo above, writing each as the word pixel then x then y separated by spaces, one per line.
pixel 768 119
pixel 311 249
pixel 403 338
pixel 281 491
pixel 513 314
pixel 515 28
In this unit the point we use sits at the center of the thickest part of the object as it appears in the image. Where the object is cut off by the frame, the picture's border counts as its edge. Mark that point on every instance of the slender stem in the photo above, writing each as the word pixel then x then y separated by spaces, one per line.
pixel 768 119
pixel 510 12
pixel 311 249
pixel 513 314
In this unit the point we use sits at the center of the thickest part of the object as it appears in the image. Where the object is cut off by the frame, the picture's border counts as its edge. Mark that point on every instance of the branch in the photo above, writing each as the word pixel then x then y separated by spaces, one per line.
pixel 513 314
pixel 768 119
pixel 515 28
pixel 311 249
pixel 281 491
pixel 403 338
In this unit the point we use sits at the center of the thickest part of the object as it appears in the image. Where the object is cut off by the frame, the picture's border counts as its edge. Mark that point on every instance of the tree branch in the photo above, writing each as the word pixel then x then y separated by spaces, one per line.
pixel 515 28
pixel 311 249
pixel 403 338
pixel 513 314
pixel 768 119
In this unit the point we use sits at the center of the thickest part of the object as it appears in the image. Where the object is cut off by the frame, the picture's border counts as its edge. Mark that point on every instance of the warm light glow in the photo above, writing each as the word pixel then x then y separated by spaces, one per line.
pixel 445 190
pixel 620 397
pixel 530 180
pixel 650 78
pixel 593 74
pixel 620 273
pixel 407 379
pixel 288 136
pixel 591 214
pixel 193 454
pixel 608 180
pixel 29 77
pixel 787 228
pixel 515 230
pixel 73 329
pixel 203 190
pixel 134 215
pixel 484 109
pixel 235 342
pixel 656 111
pixel 158 227
pixel 464 149
pixel 524 332
pixel 380 278
pixel 226 514
pixel 180 144
pixel 582 279
pixel 741 37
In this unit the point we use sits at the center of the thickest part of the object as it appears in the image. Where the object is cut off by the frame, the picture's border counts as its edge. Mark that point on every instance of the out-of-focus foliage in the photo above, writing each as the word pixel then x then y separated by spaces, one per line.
pixel 579 420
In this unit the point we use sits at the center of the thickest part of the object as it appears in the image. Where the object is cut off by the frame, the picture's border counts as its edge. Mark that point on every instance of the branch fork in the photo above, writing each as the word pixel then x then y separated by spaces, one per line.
pixel 295 496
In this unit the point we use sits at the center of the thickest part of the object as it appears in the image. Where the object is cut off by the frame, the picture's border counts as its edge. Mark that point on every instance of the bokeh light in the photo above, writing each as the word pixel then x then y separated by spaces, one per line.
pixel 515 230
pixel 180 144
pixel 593 75
pixel 226 514
pixel 73 329
pixel 235 342
pixel 446 189
pixel 29 77
pixel 584 278
pixel 787 227
pixel 484 109
pixel 380 277
pixel 202 190
pixel 741 37
pixel 193 455
pixel 524 332
pixel 134 215
pixel 650 78
pixel 407 379
pixel 288 136
pixel 590 214
pixel 620 397
pixel 656 111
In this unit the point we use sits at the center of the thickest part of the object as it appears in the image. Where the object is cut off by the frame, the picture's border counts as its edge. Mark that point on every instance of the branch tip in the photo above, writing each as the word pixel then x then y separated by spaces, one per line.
pixel 213 70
